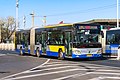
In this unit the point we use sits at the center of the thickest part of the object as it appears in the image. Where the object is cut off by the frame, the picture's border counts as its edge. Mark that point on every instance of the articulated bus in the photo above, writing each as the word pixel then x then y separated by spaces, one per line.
pixel 69 40
pixel 26 41
pixel 66 41
pixel 22 41
pixel 112 41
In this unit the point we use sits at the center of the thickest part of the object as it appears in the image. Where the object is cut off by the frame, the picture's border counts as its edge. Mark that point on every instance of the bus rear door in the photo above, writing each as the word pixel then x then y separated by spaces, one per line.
pixel 44 42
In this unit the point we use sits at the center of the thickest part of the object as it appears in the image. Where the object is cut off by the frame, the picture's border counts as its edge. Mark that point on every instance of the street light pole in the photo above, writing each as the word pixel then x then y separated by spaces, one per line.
pixel 32 34
pixel 118 57
pixel 17 6
pixel 117 13
pixel 44 21
pixel 33 15
pixel 0 33
pixel 24 21
pixel 16 23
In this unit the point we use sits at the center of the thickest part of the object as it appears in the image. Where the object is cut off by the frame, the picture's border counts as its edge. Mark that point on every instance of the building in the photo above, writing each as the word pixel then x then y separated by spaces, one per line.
pixel 106 23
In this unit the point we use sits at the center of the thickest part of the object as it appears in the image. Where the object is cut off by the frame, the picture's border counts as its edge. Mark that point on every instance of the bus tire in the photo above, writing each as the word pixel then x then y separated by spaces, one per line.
pixel 37 52
pixel 21 52
pixel 60 54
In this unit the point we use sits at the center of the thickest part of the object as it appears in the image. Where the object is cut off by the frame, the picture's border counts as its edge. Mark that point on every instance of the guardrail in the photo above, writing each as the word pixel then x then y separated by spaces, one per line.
pixel 7 46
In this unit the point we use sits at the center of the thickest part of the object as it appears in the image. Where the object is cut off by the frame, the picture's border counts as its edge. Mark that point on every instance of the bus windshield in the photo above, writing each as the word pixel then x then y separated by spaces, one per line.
pixel 86 36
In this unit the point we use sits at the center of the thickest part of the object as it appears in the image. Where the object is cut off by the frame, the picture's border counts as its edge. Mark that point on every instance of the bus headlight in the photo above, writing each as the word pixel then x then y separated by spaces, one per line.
pixel 76 52
pixel 99 51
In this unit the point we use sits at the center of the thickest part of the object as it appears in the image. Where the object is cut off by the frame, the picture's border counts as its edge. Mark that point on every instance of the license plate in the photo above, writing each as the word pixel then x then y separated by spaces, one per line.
pixel 89 55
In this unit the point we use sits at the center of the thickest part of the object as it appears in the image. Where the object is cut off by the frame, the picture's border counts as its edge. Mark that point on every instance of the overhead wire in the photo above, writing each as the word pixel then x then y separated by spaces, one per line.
pixel 82 11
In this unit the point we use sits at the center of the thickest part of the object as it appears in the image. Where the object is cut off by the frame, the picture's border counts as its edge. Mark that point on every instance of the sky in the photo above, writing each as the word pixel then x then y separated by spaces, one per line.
pixel 68 11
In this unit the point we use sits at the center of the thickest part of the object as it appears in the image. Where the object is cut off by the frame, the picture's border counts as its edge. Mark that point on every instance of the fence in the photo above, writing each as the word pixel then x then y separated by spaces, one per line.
pixel 7 46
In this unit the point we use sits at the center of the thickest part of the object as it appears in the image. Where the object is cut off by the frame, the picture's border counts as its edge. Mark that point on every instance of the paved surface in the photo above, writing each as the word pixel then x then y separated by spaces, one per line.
pixel 15 67
pixel 12 63
pixel 67 70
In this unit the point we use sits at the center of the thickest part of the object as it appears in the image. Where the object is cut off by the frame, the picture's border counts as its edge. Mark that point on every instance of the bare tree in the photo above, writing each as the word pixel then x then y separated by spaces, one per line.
pixel 2 23
pixel 11 26
pixel 7 28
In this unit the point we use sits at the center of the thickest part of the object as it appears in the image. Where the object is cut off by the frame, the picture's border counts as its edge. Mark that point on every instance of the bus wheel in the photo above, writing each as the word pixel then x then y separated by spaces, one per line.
pixel 60 54
pixel 37 52
pixel 21 52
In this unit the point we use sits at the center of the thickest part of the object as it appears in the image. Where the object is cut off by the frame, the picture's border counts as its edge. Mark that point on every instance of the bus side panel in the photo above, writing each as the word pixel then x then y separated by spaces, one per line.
pixel 50 53
pixel 112 49
pixel 52 50
pixel 18 48
pixel 29 49
pixel 78 56
pixel 108 50
pixel 24 49
pixel 40 49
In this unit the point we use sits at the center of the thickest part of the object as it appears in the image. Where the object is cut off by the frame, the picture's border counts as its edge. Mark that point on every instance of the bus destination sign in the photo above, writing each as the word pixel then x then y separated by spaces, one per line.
pixel 87 27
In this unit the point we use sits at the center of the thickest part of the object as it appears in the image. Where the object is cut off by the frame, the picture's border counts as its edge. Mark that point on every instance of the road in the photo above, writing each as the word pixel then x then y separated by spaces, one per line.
pixel 15 67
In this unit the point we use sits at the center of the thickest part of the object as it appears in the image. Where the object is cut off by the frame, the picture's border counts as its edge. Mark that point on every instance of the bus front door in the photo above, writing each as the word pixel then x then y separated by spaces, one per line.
pixel 68 39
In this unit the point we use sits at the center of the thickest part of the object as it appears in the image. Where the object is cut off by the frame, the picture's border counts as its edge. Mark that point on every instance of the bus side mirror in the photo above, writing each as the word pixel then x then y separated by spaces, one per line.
pixel 118 47
pixel 102 34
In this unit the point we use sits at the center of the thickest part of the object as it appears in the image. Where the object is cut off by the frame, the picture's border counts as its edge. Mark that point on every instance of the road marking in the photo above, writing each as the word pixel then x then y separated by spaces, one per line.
pixel 109 70
pixel 74 76
pixel 35 75
pixel 55 63
pixel 53 69
pixel 106 73
pixel 65 77
pixel 40 65
pixel 98 78
pixel 57 68
pixel 80 65
pixel 104 77
pixel 111 77
pixel 25 71
pixel 65 66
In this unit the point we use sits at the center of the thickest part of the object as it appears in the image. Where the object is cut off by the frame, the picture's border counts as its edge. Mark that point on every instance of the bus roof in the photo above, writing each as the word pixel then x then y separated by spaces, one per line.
pixel 57 25
pixel 114 29
pixel 23 31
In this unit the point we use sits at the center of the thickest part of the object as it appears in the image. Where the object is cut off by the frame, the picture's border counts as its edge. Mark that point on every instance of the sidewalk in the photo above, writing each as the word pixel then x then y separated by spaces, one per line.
pixel 8 52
